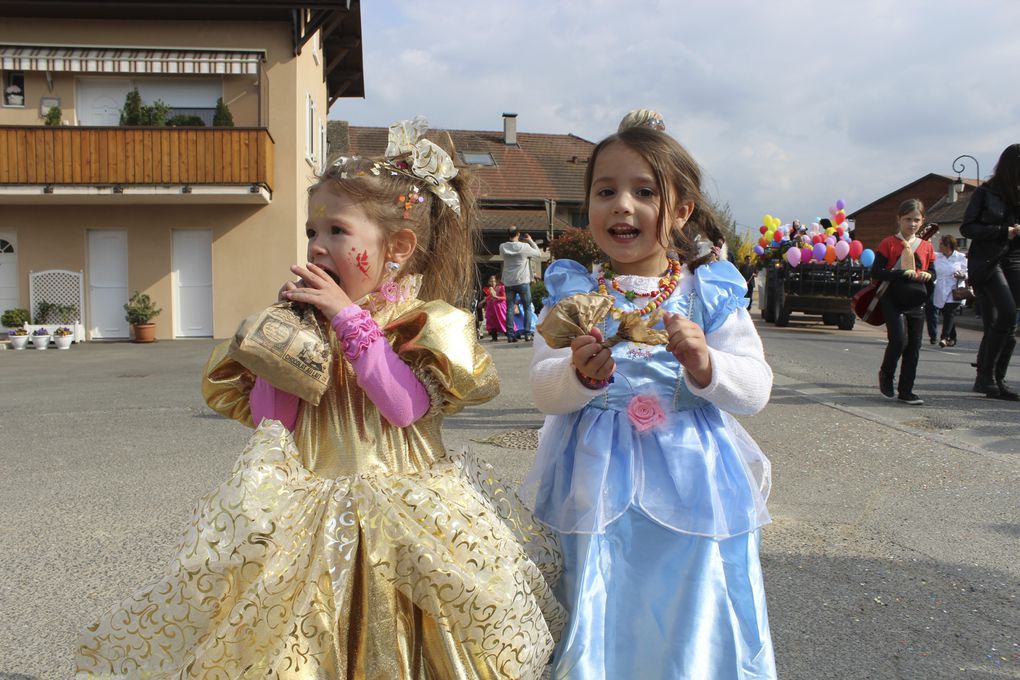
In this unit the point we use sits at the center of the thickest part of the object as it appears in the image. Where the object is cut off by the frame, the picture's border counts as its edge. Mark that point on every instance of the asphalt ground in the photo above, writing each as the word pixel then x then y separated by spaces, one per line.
pixel 894 550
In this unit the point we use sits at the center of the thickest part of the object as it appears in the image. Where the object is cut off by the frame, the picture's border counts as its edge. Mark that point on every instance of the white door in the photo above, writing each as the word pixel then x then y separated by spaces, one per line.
pixel 108 283
pixel 8 272
pixel 192 276
pixel 101 99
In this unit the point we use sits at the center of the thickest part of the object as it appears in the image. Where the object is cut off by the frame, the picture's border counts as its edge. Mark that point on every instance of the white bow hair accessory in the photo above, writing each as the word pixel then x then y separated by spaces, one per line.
pixel 426 161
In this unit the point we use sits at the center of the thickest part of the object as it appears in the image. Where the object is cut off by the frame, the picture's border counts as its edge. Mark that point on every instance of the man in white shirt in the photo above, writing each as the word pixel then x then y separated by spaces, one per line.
pixel 517 276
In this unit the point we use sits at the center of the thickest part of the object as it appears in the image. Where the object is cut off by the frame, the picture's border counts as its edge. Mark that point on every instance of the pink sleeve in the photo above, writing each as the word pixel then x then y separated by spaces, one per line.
pixel 388 381
pixel 268 402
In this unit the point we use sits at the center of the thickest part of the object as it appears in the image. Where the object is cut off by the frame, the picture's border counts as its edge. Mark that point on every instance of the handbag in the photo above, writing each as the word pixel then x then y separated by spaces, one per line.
pixel 962 294
pixel 865 303
pixel 284 345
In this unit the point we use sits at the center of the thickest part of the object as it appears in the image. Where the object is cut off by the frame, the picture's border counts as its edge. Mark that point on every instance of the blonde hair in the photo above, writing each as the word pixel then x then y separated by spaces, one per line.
pixel 445 252
pixel 679 177
pixel 642 117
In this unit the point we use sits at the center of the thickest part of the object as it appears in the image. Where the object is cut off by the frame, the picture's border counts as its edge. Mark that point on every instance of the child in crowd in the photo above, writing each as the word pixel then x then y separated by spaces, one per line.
pixel 495 308
pixel 656 490
pixel 903 259
pixel 348 541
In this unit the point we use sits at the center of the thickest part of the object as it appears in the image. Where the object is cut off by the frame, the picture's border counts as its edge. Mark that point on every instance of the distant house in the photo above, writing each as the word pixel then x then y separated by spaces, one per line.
pixel 206 220
pixel 877 219
pixel 532 180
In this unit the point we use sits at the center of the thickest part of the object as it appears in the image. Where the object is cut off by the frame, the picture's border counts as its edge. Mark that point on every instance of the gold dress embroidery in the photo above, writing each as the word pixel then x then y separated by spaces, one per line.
pixel 350 548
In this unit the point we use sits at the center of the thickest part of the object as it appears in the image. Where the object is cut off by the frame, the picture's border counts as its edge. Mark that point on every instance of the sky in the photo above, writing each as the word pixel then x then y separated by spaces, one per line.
pixel 787 105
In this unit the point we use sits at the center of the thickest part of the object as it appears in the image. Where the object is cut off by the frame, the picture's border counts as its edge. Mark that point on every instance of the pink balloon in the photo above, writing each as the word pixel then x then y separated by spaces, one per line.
pixel 793 257
pixel 830 241
pixel 806 254
pixel 856 248
pixel 842 250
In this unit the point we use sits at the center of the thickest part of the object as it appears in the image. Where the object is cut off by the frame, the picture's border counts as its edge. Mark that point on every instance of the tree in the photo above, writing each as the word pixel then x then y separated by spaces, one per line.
pixel 222 117
pixel 738 244
pixel 576 244
pixel 131 112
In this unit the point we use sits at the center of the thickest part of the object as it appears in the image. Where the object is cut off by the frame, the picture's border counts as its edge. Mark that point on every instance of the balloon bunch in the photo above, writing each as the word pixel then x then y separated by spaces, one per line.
pixel 825 240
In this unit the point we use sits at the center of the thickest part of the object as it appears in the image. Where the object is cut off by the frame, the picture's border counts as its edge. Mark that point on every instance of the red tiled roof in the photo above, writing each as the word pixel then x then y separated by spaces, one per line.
pixel 539 166
pixel 534 221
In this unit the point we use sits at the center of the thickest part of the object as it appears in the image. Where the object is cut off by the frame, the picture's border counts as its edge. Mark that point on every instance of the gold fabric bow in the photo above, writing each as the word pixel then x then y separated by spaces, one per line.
pixel 425 160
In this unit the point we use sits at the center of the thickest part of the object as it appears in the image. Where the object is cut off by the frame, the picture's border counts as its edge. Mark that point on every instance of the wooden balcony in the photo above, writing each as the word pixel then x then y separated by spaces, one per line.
pixel 123 157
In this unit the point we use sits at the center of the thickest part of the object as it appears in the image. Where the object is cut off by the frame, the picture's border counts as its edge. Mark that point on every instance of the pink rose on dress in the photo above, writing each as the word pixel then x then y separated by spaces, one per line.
pixel 645 412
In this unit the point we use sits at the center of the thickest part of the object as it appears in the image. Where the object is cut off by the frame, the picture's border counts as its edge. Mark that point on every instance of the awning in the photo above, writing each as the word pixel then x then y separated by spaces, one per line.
pixel 114 60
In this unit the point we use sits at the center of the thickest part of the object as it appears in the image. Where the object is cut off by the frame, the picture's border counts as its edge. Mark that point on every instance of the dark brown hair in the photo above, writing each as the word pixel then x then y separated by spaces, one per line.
pixel 445 252
pixel 908 206
pixel 1006 178
pixel 949 241
pixel 679 179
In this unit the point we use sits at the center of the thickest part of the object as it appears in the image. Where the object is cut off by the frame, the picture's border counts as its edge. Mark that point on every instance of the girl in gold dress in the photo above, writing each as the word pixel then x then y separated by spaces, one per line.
pixel 348 542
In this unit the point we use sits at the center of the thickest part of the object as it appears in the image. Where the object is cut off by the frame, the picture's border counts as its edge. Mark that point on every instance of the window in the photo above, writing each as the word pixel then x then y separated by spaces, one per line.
pixel 323 144
pixel 6 246
pixel 477 158
pixel 311 130
pixel 14 88
pixel 961 242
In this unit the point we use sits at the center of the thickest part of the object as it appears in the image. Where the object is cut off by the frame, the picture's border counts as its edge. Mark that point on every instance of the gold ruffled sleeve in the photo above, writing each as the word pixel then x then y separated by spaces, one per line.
pixel 440 345
pixel 226 385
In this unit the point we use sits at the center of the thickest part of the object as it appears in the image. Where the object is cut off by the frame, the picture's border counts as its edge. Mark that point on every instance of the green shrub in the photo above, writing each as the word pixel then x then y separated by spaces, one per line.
pixel 538 293
pixel 14 318
pixel 134 112
pixel 54 116
pixel 185 120
pixel 140 309
pixel 576 244
pixel 222 117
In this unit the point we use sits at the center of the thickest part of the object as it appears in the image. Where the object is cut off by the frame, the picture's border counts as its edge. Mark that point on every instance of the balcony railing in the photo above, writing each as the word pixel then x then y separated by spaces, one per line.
pixel 131 155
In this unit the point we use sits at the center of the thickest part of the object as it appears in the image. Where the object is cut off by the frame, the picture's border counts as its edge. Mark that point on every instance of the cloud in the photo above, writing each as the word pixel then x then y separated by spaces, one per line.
pixel 786 105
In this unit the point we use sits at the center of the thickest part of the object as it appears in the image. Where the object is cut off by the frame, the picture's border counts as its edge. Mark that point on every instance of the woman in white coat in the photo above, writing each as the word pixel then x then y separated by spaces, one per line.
pixel 950 273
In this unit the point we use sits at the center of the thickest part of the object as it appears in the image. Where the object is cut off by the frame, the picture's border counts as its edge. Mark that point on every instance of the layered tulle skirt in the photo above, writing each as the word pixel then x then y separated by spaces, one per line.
pixel 283 574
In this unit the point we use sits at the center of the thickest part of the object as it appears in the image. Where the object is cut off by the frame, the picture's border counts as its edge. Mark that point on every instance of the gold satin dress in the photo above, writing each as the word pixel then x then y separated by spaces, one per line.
pixel 351 548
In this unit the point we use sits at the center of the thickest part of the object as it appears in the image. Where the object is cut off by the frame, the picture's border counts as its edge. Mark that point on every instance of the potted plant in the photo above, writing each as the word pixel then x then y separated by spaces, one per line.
pixel 140 313
pixel 40 338
pixel 18 337
pixel 62 337
pixel 14 96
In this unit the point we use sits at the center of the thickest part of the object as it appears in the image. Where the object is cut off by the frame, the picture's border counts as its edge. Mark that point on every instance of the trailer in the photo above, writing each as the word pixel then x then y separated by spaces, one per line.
pixel 816 288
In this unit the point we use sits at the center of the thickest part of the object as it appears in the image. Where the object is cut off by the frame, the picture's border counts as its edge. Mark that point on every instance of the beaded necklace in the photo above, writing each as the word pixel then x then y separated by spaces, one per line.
pixel 667 284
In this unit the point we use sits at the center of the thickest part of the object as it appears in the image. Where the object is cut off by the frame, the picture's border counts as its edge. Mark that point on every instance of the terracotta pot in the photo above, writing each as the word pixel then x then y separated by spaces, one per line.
pixel 145 332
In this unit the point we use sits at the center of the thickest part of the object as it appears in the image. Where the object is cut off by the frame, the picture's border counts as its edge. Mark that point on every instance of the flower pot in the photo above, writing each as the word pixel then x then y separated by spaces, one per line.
pixel 18 341
pixel 15 100
pixel 145 332
pixel 40 341
pixel 63 341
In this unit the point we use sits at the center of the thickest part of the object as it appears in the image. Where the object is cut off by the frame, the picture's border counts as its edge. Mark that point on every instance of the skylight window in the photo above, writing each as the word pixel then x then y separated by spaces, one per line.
pixel 477 158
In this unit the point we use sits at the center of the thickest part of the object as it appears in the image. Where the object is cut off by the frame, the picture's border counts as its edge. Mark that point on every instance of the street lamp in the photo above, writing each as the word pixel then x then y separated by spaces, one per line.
pixel 961 168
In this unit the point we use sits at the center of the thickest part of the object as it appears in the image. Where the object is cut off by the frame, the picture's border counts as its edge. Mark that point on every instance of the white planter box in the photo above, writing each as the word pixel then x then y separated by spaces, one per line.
pixel 78 335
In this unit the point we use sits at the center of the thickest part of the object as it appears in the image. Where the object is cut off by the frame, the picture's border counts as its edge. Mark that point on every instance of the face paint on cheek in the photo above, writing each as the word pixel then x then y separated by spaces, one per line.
pixel 359 260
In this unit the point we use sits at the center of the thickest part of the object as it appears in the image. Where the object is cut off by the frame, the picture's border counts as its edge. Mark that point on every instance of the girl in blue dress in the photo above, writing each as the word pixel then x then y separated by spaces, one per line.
pixel 657 492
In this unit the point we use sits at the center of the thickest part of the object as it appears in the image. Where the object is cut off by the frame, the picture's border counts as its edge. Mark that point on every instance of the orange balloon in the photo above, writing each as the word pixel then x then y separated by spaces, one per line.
pixel 763 242
pixel 830 254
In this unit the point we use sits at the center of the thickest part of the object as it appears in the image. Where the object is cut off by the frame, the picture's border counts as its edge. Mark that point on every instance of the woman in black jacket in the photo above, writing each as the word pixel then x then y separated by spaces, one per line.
pixel 992 223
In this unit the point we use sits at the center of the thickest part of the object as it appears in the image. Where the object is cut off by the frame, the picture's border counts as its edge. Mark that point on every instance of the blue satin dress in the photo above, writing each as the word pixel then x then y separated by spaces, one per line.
pixel 659 528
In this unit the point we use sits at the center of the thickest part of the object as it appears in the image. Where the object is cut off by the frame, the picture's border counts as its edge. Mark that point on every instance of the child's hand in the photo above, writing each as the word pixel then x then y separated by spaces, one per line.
pixel 590 358
pixel 319 289
pixel 284 289
pixel 687 343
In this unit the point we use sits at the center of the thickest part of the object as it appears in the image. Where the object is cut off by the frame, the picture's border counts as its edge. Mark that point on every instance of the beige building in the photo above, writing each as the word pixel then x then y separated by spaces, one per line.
pixel 206 220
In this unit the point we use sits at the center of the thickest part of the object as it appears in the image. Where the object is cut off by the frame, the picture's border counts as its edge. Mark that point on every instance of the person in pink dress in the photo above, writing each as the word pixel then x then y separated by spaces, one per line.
pixel 495 308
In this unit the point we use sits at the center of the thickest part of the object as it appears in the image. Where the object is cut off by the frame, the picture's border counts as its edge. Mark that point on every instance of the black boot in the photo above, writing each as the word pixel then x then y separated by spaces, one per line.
pixel 992 346
pixel 494 335
pixel 1001 366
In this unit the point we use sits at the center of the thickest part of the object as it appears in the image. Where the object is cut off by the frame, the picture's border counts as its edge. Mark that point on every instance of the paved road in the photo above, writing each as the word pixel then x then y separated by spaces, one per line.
pixel 894 550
